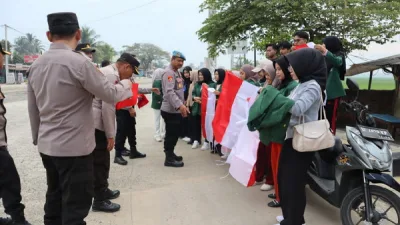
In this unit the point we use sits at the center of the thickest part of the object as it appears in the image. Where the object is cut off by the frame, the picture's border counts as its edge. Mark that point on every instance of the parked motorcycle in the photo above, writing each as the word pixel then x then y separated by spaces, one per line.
pixel 342 175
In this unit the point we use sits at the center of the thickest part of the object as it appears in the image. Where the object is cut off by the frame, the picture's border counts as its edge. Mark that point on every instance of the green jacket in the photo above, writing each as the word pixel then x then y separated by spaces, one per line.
pixel 196 108
pixel 270 115
pixel 254 83
pixel 156 99
pixel 334 86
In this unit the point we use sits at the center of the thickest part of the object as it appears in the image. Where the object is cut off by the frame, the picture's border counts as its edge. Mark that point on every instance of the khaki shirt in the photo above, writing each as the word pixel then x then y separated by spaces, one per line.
pixel 172 86
pixel 103 112
pixel 61 85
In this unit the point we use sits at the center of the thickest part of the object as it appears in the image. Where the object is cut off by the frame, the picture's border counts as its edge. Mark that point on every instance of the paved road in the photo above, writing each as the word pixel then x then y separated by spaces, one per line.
pixel 152 194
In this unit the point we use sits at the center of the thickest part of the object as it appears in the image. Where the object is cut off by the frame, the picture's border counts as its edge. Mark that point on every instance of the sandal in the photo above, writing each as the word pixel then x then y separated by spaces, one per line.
pixel 273 196
pixel 274 204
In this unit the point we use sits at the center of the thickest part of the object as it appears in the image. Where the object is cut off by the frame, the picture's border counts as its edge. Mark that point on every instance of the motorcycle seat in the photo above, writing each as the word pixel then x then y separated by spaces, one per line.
pixel 330 154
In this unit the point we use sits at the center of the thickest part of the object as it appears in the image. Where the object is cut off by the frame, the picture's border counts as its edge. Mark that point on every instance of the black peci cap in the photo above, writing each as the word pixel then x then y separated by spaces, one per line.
pixel 64 23
pixel 85 47
pixel 129 58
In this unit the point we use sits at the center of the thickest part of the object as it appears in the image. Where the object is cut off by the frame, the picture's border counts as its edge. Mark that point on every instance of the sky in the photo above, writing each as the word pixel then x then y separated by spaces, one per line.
pixel 170 24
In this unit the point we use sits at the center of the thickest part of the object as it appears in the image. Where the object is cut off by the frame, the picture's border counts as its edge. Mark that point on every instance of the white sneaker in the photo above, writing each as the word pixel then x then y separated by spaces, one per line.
pixel 186 139
pixel 280 219
pixel 158 139
pixel 205 146
pixel 225 156
pixel 266 187
pixel 195 144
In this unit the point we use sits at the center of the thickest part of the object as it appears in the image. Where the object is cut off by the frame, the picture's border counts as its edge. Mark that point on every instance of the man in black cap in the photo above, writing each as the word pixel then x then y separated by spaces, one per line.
pixel 104 121
pixel 10 184
pixel 62 123
pixel 86 50
pixel 126 123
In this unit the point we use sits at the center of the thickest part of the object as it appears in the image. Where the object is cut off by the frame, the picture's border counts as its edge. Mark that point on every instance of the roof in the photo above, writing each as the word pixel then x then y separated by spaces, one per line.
pixel 373 65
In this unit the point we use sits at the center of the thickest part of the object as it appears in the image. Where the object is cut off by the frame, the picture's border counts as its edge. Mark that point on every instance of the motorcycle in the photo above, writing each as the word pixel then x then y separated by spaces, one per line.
pixel 343 175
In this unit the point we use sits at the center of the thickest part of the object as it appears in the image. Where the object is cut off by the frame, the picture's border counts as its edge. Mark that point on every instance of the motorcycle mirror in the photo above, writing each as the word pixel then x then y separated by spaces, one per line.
pixel 353 86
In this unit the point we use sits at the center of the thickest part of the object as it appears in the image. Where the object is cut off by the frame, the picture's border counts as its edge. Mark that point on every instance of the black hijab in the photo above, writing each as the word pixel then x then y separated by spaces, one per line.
pixel 186 80
pixel 207 76
pixel 221 75
pixel 281 61
pixel 308 64
pixel 335 46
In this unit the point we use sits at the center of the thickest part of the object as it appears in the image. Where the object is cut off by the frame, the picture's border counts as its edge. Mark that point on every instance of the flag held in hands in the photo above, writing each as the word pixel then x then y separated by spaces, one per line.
pixel 130 101
pixel 208 101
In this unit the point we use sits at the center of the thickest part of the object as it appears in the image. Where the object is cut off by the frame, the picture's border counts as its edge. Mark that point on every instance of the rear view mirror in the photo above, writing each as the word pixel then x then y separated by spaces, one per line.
pixel 352 85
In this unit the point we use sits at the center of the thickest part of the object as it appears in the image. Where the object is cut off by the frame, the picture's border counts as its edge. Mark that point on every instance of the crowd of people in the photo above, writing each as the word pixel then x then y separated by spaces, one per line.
pixel 76 119
pixel 304 77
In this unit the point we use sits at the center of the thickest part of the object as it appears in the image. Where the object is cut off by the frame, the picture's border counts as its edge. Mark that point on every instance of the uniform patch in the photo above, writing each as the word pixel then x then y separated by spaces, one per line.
pixel 170 78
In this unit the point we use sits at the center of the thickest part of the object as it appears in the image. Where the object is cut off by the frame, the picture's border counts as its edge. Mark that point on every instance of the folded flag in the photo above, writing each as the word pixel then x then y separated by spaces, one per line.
pixel 208 101
pixel 142 100
pixel 232 110
pixel 130 101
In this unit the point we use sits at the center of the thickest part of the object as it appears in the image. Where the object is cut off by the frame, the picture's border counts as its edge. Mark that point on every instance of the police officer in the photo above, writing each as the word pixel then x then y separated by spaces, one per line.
pixel 86 50
pixel 173 108
pixel 61 86
pixel 104 119
pixel 10 184
pixel 126 128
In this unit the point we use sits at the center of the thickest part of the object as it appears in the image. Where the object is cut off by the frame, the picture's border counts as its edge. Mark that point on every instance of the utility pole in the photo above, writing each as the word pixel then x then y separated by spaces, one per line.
pixel 6 46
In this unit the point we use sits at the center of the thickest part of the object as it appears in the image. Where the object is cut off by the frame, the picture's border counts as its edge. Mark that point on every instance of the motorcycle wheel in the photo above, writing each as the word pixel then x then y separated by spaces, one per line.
pixel 356 197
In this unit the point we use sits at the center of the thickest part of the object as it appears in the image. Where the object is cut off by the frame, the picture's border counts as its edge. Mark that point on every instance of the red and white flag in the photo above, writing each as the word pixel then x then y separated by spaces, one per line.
pixel 208 100
pixel 233 107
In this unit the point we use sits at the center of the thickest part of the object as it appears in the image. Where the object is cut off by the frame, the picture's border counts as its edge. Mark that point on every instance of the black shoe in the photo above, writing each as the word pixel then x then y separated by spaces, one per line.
pixel 136 155
pixel 190 143
pixel 125 152
pixel 178 158
pixel 112 194
pixel 273 196
pixel 274 204
pixel 173 163
pixel 121 161
pixel 5 221
pixel 105 206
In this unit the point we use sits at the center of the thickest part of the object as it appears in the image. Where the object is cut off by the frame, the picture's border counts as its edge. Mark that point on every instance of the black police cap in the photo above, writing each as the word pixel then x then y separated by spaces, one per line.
pixel 85 47
pixel 63 23
pixel 129 58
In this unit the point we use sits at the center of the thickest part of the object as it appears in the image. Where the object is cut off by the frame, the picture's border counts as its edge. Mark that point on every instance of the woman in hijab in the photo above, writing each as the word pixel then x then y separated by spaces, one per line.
pixel 247 74
pixel 285 86
pixel 219 77
pixel 194 78
pixel 156 105
pixel 204 78
pixel 264 160
pixel 335 60
pixel 308 65
pixel 185 120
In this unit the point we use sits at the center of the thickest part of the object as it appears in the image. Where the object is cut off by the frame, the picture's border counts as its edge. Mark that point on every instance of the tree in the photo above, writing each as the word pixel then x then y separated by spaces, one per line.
pixel 240 61
pixel 147 53
pixel 89 36
pixel 29 44
pixel 357 23
pixel 9 45
pixel 104 51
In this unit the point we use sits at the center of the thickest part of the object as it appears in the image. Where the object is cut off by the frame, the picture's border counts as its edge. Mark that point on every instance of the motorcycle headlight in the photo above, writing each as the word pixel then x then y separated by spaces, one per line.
pixel 375 162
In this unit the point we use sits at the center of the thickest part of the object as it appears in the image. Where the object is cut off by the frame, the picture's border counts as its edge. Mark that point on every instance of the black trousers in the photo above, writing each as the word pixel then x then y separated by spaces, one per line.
pixel 101 166
pixel 196 128
pixel 172 130
pixel 126 128
pixel 10 186
pixel 292 178
pixel 69 189
pixel 185 131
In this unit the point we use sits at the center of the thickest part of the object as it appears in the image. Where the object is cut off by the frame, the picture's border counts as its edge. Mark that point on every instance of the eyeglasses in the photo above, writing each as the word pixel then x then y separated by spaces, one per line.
pixel 297 40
